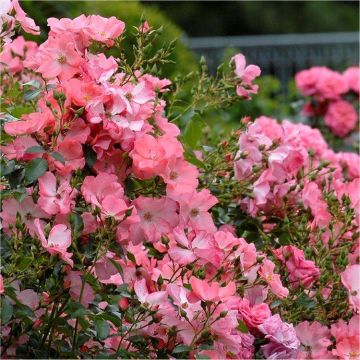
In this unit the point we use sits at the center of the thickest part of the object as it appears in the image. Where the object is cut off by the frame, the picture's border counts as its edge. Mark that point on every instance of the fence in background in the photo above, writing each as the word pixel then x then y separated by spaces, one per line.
pixel 283 55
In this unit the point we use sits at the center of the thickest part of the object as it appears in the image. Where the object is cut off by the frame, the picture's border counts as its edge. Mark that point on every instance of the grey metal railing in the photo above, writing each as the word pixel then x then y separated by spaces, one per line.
pixel 283 55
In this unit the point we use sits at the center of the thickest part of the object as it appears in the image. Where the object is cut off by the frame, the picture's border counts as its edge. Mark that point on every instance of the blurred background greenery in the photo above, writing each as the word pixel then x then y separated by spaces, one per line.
pixel 216 18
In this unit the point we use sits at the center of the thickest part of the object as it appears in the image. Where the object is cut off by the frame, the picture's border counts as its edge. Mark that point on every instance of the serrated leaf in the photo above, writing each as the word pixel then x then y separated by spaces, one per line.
pixel 57 156
pixel 77 223
pixel 102 328
pixel 35 168
pixel 6 167
pixel 181 348
pixel 35 150
pixel 6 310
pixel 193 132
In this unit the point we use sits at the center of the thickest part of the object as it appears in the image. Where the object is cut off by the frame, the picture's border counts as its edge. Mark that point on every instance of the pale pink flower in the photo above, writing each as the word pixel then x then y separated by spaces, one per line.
pixel 96 188
pixel 246 74
pixel 211 291
pixel 194 209
pixel 104 30
pixel 266 271
pixel 80 290
pixel 314 338
pixel 26 23
pixel 58 241
pixel 142 292
pixel 283 343
pixel 55 199
pixel 301 271
pixel 158 217
pixel 58 57
pixel 351 280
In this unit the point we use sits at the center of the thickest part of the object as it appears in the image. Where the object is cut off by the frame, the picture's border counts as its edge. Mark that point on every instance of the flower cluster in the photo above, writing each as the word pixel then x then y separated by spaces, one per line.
pixel 114 242
pixel 332 94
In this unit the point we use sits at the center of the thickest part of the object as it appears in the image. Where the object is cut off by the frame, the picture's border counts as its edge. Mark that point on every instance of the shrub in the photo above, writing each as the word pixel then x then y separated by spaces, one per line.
pixel 120 241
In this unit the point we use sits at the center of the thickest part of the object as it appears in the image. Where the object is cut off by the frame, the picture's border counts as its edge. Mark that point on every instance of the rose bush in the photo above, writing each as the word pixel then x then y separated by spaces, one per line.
pixel 121 241
pixel 333 99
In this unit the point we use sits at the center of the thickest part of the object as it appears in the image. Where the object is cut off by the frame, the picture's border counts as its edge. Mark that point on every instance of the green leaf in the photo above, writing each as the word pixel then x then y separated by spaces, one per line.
pixel 24 263
pixel 16 177
pixel 35 168
pixel 181 348
pixel 284 239
pixel 193 132
pixel 6 310
pixel 20 110
pixel 6 167
pixel 112 317
pixel 191 158
pixel 57 156
pixel 35 150
pixel 242 327
pixel 102 328
pixel 90 155
pixel 77 224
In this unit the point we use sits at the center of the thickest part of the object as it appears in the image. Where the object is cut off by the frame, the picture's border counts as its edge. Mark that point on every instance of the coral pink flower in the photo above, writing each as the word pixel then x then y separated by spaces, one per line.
pixel 142 292
pixel 180 177
pixel 17 149
pixel 13 54
pixel 194 209
pixel 255 315
pixel 113 206
pixel 301 271
pixel 96 188
pixel 246 74
pixel 266 271
pixel 312 198
pixel 106 272
pixel 315 338
pixel 58 241
pixel 26 23
pixel 181 298
pixel 351 280
pixel 55 200
pixel 99 67
pixel 27 210
pixel 72 152
pixel 58 58
pixel 158 217
pixel 104 30
pixel 341 118
pixel 148 157
pixel 30 123
pixel 211 291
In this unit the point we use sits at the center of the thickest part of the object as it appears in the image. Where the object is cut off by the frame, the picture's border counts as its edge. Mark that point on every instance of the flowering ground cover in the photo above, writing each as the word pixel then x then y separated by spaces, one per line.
pixel 123 237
